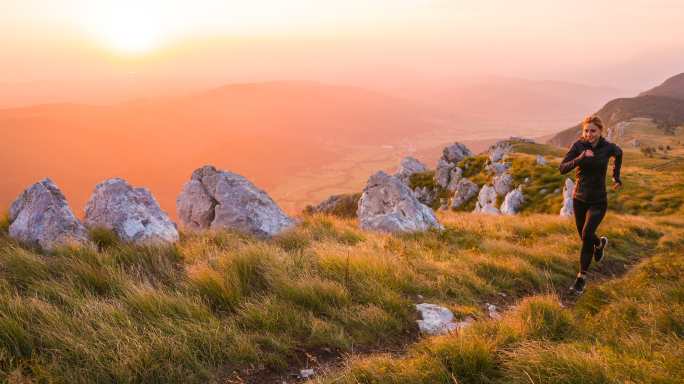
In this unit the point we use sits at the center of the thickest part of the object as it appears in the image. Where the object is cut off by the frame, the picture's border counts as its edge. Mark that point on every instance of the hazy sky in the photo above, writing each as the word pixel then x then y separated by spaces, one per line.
pixel 624 44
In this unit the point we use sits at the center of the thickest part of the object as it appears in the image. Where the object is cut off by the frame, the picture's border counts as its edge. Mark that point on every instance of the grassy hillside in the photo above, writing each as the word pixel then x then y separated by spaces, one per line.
pixel 224 305
pixel 629 330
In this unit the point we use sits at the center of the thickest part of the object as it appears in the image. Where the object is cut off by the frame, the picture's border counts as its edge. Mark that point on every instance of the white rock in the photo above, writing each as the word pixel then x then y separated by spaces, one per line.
pixel 567 209
pixel 436 320
pixel 497 168
pixel 513 202
pixel 486 201
pixel 223 200
pixel 41 217
pixel 443 172
pixel 492 311
pixel 454 178
pixel 503 183
pixel 455 153
pixel 541 160
pixel 389 205
pixel 499 150
pixel 408 167
pixel 132 213
pixel 306 373
pixel 463 192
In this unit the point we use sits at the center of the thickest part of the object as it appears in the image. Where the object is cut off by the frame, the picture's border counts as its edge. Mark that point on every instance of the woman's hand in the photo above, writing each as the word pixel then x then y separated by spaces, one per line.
pixel 586 153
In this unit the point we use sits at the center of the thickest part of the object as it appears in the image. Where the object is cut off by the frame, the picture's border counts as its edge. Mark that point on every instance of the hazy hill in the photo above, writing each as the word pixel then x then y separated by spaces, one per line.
pixel 265 131
pixel 663 104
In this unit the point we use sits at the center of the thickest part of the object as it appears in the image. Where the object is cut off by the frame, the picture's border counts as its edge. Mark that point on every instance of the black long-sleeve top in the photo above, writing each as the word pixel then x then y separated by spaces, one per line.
pixel 591 171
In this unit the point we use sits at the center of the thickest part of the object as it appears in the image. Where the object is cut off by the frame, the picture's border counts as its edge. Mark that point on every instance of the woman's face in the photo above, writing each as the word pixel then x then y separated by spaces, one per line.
pixel 591 132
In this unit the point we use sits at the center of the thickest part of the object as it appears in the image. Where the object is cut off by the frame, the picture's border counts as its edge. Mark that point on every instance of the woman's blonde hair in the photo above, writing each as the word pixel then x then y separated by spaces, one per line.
pixel 593 119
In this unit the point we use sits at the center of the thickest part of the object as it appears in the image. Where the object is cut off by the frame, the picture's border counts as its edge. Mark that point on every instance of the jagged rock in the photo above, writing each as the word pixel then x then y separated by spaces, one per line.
pixel 567 209
pixel 41 217
pixel 464 191
pixel 425 195
pixel 497 168
pixel 513 202
pixel 443 172
pixel 541 160
pixel 389 205
pixel 503 183
pixel 486 201
pixel 438 320
pixel 408 167
pixel 499 150
pixel 223 200
pixel 454 177
pixel 132 213
pixel 339 205
pixel 527 180
pixel 455 153
pixel 492 311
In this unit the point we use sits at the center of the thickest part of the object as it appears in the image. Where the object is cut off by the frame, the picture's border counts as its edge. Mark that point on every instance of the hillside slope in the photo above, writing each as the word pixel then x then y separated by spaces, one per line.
pixel 663 104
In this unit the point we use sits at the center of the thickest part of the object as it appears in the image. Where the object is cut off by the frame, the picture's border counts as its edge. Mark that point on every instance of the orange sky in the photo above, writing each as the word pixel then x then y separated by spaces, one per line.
pixel 99 51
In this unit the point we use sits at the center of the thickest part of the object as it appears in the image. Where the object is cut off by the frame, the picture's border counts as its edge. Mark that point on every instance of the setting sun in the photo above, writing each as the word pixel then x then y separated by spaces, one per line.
pixel 127 27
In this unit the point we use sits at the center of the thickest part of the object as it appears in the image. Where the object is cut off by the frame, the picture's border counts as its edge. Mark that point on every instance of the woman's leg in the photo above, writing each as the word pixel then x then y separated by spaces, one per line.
pixel 594 215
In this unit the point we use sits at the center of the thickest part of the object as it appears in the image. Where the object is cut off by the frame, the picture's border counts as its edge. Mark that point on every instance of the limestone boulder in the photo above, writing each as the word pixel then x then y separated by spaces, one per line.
pixel 486 201
pixel 408 167
pixel 463 192
pixel 132 213
pixel 443 172
pixel 41 217
pixel 454 176
pixel 388 205
pixel 567 208
pixel 503 183
pixel 219 199
pixel 455 153
pixel 513 202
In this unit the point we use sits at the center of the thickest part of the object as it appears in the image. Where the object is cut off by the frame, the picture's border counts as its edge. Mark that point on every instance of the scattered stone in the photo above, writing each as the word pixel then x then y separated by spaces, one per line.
pixel 555 191
pixel 455 153
pixel 224 200
pixel 306 373
pixel 339 205
pixel 541 160
pixel 527 180
pixel 464 191
pixel 408 167
pixel 492 311
pixel 503 183
pixel 454 177
pixel 438 320
pixel 486 201
pixel 513 202
pixel 543 191
pixel 425 195
pixel 389 205
pixel 132 213
pixel 443 172
pixel 567 209
pixel 41 217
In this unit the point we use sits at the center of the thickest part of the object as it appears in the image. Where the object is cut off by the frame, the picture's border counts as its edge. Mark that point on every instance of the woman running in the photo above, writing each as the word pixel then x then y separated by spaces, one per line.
pixel 590 155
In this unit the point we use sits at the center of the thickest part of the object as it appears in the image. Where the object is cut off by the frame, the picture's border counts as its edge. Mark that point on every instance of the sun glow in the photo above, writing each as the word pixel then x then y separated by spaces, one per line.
pixel 128 27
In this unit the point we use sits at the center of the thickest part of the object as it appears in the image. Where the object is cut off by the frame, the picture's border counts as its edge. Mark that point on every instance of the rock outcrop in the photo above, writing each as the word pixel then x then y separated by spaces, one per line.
pixel 464 191
pixel 541 160
pixel 513 202
pixel 497 168
pixel 455 153
pixel 486 201
pixel 388 205
pixel 443 172
pixel 408 167
pixel 425 195
pixel 223 200
pixel 132 213
pixel 41 217
pixel 437 320
pixel 503 183
pixel 454 176
pixel 568 188
pixel 499 150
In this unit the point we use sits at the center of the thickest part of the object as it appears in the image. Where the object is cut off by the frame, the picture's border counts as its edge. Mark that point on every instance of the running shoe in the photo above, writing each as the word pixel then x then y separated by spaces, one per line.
pixel 579 285
pixel 598 251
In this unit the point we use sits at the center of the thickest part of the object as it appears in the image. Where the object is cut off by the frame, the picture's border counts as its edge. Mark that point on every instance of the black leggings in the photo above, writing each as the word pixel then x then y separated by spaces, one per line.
pixel 588 216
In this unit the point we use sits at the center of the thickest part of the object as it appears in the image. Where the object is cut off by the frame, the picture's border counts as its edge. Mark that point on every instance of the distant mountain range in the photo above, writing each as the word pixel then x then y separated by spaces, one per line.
pixel 663 104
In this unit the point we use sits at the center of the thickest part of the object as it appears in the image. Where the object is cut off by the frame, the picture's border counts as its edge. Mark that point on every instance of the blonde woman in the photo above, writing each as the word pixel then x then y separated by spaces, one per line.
pixel 590 155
